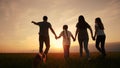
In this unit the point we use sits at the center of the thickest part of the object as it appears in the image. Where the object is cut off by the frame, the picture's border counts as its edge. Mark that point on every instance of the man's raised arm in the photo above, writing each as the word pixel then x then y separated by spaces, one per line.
pixel 35 23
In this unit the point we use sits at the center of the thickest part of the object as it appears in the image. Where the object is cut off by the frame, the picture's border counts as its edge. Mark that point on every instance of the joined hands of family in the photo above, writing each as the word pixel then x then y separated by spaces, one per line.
pixel 93 38
pixel 59 37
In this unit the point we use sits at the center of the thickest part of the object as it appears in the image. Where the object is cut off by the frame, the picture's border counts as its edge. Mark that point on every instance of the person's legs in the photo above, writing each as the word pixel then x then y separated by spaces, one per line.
pixel 47 43
pixel 66 51
pixel 86 48
pixel 68 48
pixel 103 45
pixel 41 44
pixel 80 40
pixel 97 43
pixel 80 48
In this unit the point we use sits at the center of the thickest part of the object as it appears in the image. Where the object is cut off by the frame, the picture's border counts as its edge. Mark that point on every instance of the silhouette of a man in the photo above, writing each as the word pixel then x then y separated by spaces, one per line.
pixel 44 27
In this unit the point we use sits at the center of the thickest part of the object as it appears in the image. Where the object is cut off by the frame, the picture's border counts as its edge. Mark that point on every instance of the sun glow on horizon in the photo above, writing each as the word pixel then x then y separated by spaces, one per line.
pixel 57 44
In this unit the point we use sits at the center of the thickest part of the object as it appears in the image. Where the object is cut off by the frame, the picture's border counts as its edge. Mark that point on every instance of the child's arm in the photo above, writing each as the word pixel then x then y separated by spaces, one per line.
pixel 35 23
pixel 58 36
pixel 61 34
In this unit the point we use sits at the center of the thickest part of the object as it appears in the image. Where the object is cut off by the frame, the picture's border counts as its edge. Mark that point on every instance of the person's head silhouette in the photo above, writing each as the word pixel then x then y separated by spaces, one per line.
pixel 99 22
pixel 81 19
pixel 45 18
pixel 65 27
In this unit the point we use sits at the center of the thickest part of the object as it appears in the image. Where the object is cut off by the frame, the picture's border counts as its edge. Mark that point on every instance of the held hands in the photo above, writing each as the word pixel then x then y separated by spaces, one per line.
pixel 56 37
pixel 93 38
pixel 74 39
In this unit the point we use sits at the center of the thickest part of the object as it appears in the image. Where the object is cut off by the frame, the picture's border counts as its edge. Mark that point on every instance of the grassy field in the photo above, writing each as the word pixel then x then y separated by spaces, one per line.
pixel 56 60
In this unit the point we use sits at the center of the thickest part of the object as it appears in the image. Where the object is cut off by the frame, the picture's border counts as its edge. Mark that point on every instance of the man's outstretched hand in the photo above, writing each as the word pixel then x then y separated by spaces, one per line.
pixel 32 21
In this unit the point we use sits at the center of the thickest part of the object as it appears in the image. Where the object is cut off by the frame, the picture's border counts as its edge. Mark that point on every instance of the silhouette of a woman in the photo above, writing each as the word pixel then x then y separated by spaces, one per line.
pixel 81 30
pixel 100 36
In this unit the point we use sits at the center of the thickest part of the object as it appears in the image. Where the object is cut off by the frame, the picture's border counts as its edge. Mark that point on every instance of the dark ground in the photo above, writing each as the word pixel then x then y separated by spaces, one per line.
pixel 56 60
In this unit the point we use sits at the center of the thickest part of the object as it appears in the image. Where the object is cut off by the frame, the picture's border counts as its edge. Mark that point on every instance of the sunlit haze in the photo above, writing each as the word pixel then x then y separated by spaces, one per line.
pixel 18 34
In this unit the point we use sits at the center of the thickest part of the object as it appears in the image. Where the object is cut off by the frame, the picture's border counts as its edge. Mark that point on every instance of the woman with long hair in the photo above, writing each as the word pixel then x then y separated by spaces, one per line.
pixel 81 30
pixel 100 36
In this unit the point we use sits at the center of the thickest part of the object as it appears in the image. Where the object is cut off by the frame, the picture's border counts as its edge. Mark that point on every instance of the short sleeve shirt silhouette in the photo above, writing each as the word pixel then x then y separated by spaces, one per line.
pixel 44 28
pixel 83 34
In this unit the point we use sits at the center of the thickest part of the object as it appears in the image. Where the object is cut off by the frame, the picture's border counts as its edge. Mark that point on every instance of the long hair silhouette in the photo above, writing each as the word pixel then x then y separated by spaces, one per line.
pixel 82 23
pixel 99 22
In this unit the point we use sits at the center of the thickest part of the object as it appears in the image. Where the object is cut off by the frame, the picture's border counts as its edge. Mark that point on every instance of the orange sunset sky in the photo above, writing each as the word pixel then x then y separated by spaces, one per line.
pixel 18 34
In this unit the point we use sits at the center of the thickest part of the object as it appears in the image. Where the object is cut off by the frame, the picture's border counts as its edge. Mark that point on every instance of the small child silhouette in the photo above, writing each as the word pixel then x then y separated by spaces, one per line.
pixel 66 40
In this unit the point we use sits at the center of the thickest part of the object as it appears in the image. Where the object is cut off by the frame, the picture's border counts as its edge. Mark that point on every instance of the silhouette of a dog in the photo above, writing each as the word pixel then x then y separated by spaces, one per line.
pixel 37 60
